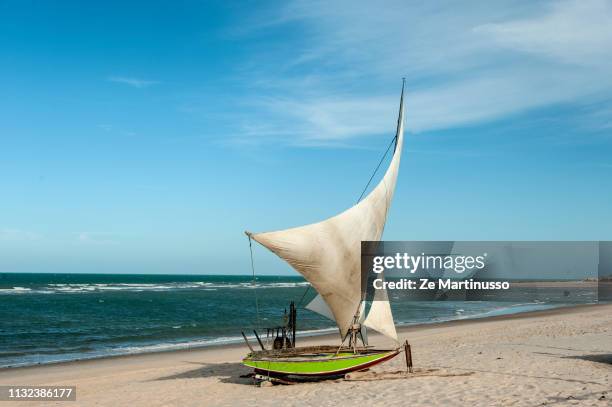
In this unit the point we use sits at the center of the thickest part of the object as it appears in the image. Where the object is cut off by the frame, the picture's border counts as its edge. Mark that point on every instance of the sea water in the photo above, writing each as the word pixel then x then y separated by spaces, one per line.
pixel 47 318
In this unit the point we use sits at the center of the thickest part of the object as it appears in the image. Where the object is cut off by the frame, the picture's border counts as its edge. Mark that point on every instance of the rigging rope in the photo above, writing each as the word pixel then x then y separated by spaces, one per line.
pixel 254 281
pixel 377 167
pixel 304 295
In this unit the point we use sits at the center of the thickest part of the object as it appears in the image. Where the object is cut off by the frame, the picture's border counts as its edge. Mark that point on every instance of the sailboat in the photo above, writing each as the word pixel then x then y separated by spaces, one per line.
pixel 328 255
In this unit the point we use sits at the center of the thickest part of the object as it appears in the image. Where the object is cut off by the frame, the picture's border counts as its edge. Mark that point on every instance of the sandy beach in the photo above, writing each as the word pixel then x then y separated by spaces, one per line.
pixel 556 357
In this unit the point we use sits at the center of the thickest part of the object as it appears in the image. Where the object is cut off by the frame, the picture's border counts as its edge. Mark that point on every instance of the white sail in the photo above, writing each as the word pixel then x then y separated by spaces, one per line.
pixel 380 317
pixel 319 306
pixel 328 253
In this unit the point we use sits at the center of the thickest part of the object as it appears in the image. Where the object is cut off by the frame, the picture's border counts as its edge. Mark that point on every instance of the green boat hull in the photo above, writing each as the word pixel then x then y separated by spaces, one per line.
pixel 315 362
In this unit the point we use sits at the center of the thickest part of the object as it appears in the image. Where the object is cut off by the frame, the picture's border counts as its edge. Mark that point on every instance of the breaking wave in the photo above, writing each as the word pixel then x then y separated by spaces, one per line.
pixel 137 287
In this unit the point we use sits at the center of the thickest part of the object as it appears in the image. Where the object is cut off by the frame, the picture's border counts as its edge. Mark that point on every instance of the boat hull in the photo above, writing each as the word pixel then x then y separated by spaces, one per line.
pixel 316 364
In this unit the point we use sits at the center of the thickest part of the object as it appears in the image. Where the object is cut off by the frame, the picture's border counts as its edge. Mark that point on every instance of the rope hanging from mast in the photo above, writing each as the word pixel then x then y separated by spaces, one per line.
pixel 254 281
pixel 393 140
pixel 304 295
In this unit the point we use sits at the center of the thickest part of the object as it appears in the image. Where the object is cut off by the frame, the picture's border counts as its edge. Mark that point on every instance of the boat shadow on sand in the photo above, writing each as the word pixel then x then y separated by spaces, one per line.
pixel 605 358
pixel 237 373
pixel 224 372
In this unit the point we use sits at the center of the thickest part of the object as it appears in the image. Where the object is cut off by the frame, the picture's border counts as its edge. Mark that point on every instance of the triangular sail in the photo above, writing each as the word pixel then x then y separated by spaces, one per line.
pixel 328 253
pixel 319 306
pixel 380 317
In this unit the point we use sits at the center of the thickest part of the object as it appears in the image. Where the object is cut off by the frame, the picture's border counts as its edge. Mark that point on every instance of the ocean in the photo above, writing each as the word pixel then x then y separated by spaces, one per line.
pixel 46 318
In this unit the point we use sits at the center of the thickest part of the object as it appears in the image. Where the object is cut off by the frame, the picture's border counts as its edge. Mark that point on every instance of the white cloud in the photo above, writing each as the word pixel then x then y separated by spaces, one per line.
pixel 465 63
pixel 331 118
pixel 576 32
pixel 134 82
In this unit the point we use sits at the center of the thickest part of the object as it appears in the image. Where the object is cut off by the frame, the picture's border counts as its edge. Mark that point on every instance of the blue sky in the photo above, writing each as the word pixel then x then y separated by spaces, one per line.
pixel 146 137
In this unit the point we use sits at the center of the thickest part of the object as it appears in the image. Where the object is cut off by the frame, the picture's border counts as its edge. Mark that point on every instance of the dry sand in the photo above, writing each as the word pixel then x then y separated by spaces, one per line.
pixel 555 358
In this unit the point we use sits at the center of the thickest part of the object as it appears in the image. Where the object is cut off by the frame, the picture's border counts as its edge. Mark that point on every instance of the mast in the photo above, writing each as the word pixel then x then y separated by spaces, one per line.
pixel 400 115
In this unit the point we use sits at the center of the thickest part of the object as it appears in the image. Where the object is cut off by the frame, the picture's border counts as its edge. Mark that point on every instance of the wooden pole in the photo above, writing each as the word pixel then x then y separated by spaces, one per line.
pixel 259 340
pixel 408 352
pixel 247 341
pixel 293 323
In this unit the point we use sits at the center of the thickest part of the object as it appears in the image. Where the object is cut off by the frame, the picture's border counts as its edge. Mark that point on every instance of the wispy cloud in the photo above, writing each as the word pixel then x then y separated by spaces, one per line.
pixel 8 234
pixel 96 238
pixel 133 82
pixel 465 64
pixel 574 32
